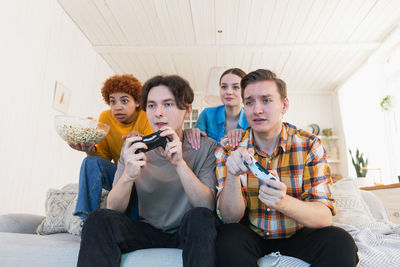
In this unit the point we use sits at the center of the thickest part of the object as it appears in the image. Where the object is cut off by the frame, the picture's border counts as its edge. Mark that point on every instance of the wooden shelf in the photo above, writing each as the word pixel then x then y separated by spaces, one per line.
pixel 332 137
pixel 333 161
pixel 383 186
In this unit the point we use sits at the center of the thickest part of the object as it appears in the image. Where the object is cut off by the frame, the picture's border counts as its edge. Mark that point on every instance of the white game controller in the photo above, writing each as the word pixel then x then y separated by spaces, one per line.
pixel 258 170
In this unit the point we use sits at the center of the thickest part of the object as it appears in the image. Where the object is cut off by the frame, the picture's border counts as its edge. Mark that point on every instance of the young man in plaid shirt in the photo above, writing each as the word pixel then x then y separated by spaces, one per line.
pixel 292 214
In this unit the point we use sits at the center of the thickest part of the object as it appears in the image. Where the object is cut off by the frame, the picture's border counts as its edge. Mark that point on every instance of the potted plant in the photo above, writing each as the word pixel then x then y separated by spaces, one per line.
pixel 360 163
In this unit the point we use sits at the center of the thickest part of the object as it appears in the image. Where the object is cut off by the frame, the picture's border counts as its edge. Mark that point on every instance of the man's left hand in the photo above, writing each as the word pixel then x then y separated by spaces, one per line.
pixel 274 195
pixel 173 149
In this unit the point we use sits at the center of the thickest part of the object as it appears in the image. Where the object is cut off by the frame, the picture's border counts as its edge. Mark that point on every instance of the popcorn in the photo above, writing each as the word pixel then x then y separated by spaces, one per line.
pixel 76 134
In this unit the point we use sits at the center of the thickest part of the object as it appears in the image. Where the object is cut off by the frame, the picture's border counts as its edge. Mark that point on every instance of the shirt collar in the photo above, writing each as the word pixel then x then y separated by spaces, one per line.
pixel 221 115
pixel 282 142
pixel 242 119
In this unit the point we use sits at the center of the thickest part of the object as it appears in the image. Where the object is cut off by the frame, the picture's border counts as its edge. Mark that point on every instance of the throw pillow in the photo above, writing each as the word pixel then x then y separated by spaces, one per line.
pixel 351 208
pixel 60 204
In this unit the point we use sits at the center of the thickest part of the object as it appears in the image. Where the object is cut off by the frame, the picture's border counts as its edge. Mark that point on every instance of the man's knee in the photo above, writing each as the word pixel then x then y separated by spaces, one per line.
pixel 338 238
pixel 233 237
pixel 98 220
pixel 340 245
pixel 200 215
pixel 91 161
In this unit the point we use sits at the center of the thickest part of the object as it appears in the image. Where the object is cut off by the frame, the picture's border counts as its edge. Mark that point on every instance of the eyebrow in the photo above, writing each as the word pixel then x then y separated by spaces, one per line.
pixel 229 83
pixel 260 96
pixel 163 101
pixel 124 96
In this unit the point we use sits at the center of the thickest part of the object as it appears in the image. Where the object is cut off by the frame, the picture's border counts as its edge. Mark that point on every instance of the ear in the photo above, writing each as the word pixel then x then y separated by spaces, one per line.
pixel 188 111
pixel 285 106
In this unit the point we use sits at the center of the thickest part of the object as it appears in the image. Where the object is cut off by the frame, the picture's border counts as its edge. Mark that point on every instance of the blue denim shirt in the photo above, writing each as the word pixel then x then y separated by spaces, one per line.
pixel 212 122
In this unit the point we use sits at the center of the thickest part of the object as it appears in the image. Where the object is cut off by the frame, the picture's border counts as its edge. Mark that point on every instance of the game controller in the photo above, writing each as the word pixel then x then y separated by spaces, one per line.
pixel 258 170
pixel 153 141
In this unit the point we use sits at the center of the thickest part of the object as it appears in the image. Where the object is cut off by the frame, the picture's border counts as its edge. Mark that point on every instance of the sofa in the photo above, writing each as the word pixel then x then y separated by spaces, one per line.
pixel 21 246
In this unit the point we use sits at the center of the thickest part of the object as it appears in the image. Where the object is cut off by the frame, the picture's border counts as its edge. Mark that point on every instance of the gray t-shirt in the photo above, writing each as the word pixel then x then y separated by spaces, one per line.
pixel 162 199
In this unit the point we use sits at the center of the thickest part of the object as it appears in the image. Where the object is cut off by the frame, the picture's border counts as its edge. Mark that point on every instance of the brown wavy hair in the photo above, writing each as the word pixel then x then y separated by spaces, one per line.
pixel 125 83
pixel 178 86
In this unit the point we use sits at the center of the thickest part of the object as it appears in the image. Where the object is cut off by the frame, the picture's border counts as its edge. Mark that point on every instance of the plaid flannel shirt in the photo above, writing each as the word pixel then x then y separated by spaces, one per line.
pixel 300 160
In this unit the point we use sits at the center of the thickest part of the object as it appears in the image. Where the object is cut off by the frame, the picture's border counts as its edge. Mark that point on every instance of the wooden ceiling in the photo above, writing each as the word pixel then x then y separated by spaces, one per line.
pixel 314 45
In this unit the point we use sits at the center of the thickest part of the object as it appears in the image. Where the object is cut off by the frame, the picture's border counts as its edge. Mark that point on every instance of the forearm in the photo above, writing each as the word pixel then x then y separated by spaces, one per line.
pixel 231 203
pixel 199 194
pixel 118 198
pixel 310 214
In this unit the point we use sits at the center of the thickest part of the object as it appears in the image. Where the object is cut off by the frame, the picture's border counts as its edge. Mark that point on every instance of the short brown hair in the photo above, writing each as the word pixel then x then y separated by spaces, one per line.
pixel 263 75
pixel 236 71
pixel 125 83
pixel 179 87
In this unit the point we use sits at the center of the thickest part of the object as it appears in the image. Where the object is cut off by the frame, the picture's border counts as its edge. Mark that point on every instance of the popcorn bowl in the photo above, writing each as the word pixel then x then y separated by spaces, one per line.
pixel 73 129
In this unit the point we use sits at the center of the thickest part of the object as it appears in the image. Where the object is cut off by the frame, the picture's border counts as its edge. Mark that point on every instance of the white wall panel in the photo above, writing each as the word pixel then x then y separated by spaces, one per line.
pixel 42 46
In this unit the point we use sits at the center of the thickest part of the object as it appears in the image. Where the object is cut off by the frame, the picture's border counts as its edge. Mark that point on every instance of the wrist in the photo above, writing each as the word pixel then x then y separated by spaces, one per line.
pixel 180 164
pixel 283 204
pixel 93 150
pixel 232 176
pixel 127 178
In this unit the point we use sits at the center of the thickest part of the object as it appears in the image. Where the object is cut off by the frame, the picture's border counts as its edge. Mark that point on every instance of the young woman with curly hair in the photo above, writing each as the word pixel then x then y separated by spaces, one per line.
pixel 122 93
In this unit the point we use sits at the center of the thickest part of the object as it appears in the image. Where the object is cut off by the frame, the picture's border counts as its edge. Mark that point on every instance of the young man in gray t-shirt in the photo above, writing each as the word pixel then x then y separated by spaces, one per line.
pixel 175 189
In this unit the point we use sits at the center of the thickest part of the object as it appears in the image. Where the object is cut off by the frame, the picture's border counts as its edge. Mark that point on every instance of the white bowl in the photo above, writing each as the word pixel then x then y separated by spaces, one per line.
pixel 74 129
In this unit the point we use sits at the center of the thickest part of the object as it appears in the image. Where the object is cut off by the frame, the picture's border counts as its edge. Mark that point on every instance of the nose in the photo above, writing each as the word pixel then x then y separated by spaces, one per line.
pixel 258 107
pixel 159 111
pixel 118 105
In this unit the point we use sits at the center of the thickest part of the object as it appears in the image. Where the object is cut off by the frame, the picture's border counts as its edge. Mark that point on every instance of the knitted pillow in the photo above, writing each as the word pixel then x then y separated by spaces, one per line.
pixel 60 204
pixel 351 207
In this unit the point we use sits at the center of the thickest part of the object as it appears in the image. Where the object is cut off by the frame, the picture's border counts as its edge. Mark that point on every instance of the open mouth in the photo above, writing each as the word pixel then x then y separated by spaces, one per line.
pixel 160 124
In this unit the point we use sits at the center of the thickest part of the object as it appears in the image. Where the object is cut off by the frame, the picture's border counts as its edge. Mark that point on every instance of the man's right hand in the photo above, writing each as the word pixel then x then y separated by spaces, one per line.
pixel 234 163
pixel 133 162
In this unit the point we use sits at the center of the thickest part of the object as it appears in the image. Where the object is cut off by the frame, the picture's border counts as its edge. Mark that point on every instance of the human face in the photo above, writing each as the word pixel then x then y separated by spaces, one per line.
pixel 230 92
pixel 264 107
pixel 161 109
pixel 123 107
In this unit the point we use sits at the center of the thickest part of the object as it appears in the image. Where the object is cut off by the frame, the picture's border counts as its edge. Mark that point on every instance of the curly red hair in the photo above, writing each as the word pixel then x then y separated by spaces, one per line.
pixel 125 83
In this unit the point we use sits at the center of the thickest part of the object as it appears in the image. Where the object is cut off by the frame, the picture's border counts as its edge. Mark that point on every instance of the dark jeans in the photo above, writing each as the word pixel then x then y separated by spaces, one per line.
pixel 107 234
pixel 238 245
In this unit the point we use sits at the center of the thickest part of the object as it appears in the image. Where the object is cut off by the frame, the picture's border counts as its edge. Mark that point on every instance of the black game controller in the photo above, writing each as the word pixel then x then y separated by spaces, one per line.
pixel 153 141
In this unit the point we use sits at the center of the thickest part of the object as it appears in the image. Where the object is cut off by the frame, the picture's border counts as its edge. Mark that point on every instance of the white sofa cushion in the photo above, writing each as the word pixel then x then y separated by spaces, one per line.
pixel 59 205
pixel 351 208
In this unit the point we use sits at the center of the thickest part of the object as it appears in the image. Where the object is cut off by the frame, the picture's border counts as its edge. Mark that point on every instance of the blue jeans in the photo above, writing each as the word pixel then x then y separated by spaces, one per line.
pixel 96 173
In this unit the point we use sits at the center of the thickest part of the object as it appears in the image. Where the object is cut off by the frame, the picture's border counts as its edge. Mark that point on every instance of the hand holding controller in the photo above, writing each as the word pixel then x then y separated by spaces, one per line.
pixel 153 141
pixel 258 170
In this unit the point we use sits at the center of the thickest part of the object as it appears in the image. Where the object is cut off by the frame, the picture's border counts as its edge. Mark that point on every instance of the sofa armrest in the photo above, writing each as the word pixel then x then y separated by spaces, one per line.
pixel 375 205
pixel 20 223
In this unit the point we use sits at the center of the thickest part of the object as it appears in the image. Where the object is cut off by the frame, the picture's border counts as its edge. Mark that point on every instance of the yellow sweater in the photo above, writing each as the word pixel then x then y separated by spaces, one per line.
pixel 110 147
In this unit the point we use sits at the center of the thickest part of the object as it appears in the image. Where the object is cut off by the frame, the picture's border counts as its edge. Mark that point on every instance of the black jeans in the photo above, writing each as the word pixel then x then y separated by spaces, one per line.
pixel 238 245
pixel 107 234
